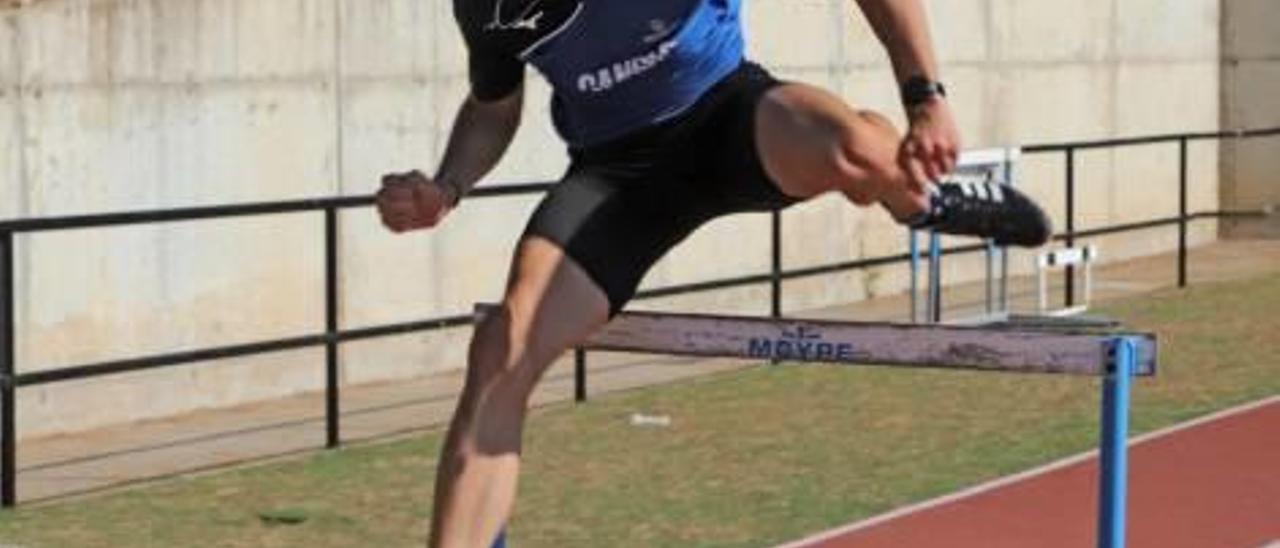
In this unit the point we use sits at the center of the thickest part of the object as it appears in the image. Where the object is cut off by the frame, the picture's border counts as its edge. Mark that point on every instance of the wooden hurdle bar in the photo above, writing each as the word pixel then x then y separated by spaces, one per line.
pixel 1029 345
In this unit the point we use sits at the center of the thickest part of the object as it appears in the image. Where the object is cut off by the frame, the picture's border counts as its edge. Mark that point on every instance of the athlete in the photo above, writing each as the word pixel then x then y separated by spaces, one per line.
pixel 667 127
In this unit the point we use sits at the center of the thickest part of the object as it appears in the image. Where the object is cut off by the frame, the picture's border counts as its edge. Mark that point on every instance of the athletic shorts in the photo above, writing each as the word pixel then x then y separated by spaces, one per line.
pixel 624 203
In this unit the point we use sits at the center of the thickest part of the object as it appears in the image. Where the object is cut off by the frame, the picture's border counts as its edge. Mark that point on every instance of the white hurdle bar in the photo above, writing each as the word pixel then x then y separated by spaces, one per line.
pixel 1006 348
pixel 1117 356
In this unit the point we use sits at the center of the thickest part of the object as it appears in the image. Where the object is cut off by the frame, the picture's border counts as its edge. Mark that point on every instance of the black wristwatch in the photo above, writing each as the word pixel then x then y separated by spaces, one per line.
pixel 918 90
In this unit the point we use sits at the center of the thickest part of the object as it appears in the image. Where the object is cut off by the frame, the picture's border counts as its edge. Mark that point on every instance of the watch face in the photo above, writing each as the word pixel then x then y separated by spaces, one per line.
pixel 917 90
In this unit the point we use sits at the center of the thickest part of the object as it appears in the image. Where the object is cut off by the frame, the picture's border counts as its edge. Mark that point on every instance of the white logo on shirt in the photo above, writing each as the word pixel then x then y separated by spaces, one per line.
pixel 526 19
pixel 605 78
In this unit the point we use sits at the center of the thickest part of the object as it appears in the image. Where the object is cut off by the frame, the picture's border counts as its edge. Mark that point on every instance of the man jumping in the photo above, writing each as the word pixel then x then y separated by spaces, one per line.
pixel 667 127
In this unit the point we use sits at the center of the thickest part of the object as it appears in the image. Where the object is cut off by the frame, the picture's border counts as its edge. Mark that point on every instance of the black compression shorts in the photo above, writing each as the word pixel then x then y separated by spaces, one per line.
pixel 623 204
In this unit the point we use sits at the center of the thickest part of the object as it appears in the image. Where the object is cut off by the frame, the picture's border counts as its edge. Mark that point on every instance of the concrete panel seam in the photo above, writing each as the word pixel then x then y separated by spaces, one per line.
pixel 339 151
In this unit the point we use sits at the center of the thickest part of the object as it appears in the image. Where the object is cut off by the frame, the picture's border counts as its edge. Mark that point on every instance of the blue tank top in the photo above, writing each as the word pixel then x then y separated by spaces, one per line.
pixel 620 65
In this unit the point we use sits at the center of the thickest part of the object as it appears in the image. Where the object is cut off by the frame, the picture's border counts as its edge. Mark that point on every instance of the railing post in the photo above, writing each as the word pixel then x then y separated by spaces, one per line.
pixel 1071 225
pixel 775 271
pixel 8 369
pixel 1182 212
pixel 331 411
pixel 579 375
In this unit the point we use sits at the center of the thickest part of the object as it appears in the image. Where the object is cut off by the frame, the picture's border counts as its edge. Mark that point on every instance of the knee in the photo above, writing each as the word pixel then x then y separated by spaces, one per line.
pixel 495 352
pixel 495 394
pixel 505 357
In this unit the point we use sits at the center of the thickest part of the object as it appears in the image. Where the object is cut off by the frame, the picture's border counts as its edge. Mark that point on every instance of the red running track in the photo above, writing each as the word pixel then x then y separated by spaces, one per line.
pixel 1212 483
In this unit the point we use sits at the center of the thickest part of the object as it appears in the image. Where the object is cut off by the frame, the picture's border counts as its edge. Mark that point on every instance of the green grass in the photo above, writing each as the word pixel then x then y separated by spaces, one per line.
pixel 752 457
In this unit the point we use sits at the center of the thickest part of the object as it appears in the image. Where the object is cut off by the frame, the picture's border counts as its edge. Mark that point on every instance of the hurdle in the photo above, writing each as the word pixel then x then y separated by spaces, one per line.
pixel 1068 258
pixel 992 165
pixel 1050 347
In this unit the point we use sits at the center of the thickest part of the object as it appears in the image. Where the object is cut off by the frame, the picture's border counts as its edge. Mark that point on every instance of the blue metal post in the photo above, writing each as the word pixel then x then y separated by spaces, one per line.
pixel 501 541
pixel 1113 451
pixel 935 278
pixel 913 243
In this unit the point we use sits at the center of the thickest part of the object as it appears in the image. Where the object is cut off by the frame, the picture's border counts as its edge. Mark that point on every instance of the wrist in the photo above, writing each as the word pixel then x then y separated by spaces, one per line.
pixel 453 190
pixel 918 91
pixel 926 109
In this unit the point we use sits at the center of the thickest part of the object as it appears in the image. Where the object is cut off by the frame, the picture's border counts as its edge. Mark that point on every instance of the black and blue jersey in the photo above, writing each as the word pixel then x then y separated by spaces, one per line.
pixel 614 65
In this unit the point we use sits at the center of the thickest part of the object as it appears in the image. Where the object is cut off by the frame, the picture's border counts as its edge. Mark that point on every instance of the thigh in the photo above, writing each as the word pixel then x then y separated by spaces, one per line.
pixel 728 144
pixel 810 141
pixel 551 303
pixel 617 223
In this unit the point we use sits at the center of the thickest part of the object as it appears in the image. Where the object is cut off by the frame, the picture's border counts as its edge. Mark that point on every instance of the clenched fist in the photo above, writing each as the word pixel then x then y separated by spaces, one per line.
pixel 411 201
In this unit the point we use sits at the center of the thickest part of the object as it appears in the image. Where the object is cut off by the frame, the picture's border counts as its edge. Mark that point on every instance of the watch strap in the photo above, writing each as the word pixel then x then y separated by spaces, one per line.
pixel 918 90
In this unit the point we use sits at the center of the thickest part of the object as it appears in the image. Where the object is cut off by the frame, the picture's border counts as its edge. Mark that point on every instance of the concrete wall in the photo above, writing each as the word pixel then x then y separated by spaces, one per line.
pixel 1251 99
pixel 129 104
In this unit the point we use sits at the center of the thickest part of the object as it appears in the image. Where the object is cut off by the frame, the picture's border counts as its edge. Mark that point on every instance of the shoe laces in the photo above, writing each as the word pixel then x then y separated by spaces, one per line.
pixel 970 197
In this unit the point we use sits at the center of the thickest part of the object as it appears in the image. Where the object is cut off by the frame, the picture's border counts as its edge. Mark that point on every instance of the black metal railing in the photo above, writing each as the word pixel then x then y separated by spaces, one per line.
pixel 1068 150
pixel 334 335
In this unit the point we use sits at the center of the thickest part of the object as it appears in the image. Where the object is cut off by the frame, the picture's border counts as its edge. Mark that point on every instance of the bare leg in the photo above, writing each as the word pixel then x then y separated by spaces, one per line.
pixel 811 142
pixel 550 305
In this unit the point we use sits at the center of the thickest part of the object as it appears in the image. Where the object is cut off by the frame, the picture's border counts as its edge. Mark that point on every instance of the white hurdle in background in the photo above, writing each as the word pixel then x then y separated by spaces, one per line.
pixel 1068 348
pixel 1062 258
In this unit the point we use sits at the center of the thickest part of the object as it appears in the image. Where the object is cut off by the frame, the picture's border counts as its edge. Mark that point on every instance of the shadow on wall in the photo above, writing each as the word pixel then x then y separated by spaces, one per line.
pixel 1250 170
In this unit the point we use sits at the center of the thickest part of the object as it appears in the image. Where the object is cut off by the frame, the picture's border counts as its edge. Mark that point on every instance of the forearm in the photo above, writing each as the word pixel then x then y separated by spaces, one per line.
pixel 903 28
pixel 480 136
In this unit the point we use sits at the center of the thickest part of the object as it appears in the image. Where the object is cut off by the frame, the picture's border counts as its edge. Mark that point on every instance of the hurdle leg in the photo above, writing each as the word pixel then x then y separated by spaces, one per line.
pixel 913 244
pixel 1113 454
pixel 501 541
pixel 991 277
pixel 935 278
